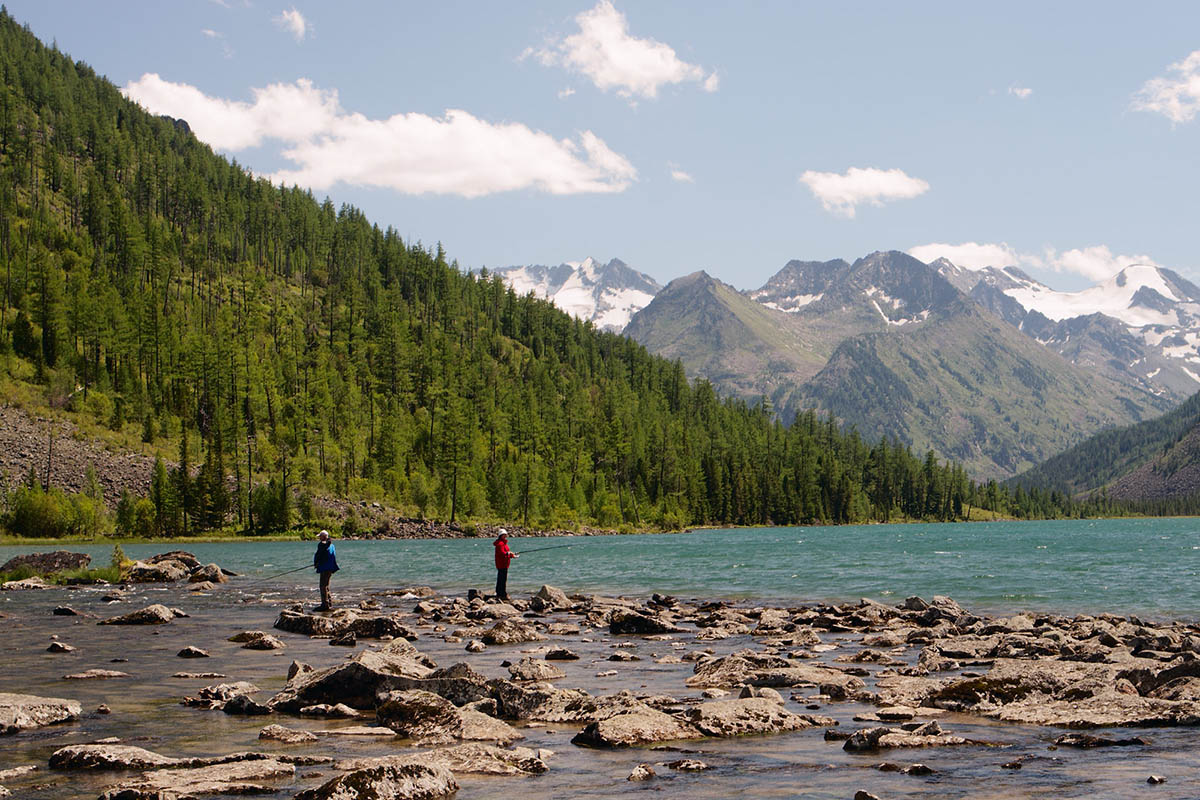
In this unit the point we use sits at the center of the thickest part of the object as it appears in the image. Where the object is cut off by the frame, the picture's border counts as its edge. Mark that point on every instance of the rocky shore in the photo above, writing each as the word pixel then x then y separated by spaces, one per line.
pixel 426 695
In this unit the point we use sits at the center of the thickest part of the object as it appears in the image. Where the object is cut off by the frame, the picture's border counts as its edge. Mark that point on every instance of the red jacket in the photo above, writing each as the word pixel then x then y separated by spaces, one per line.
pixel 503 554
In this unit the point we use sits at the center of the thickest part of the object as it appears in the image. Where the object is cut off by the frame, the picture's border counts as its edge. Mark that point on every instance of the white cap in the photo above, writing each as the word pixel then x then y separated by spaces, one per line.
pixel 322 534
pixel 502 532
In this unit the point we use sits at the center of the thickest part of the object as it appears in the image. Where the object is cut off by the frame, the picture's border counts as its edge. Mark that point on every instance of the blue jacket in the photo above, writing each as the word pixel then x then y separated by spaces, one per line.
pixel 325 559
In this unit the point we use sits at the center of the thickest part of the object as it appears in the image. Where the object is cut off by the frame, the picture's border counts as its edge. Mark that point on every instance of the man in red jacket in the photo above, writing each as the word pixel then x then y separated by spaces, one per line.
pixel 504 557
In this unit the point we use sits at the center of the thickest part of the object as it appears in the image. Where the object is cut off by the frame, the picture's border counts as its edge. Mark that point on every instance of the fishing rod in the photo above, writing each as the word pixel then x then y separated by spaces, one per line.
pixel 280 575
pixel 540 549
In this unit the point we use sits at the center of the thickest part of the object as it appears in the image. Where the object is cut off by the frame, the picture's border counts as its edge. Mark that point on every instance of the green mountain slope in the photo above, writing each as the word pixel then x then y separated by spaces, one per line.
pixel 1150 460
pixel 295 349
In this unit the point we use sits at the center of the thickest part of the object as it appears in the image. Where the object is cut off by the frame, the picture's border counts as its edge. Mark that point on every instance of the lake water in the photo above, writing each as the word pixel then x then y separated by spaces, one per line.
pixel 1145 567
pixel 1140 566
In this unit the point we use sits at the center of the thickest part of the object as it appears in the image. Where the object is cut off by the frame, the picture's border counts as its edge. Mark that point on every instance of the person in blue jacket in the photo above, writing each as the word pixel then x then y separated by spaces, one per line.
pixel 325 563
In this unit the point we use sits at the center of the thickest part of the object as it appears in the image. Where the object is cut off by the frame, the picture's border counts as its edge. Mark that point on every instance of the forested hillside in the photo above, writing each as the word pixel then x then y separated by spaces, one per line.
pixel 290 348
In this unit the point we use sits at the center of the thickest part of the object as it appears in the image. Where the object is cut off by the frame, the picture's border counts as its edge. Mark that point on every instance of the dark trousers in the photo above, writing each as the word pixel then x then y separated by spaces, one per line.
pixel 502 583
pixel 326 597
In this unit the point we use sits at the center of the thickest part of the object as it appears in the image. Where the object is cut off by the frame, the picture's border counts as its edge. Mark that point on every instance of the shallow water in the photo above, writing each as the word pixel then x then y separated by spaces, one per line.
pixel 886 562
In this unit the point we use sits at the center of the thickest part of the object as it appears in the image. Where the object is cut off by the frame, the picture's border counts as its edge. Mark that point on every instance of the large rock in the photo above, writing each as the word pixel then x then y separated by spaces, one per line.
pixel 542 703
pixel 108 757
pixel 95 674
pixel 209 572
pixel 638 726
pixel 549 598
pixel 19 712
pixel 156 614
pixel 535 669
pixel 927 735
pixel 421 716
pixel 511 631
pixel 759 669
pixel 239 777
pixel 480 727
pixel 189 561
pixel 279 733
pixel 48 563
pixel 457 683
pixel 464 759
pixel 165 571
pixel 29 583
pixel 374 626
pixel 752 715
pixel 356 682
pixel 635 622
pixel 395 781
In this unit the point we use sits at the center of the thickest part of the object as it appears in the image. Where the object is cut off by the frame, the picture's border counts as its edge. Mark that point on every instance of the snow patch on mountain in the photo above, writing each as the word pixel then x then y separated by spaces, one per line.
pixel 1114 297
pixel 606 294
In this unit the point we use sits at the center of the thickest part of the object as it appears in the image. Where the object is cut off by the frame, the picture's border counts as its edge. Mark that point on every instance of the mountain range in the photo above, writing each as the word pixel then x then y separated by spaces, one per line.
pixel 607 295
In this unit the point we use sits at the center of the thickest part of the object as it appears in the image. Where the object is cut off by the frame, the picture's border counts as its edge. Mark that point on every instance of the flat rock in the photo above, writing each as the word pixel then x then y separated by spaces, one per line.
pixel 264 642
pixel 534 669
pixel 28 583
pixel 156 614
pixel 335 711
pixel 209 573
pixel 634 622
pixel 396 781
pixel 511 631
pixel 48 563
pixel 192 652
pixel 240 777
pixel 420 715
pixel 165 571
pixel 19 712
pixel 60 647
pixel 279 733
pixel 356 682
pixel 637 726
pixel 108 757
pixel 95 674
pixel 752 715
pixel 65 611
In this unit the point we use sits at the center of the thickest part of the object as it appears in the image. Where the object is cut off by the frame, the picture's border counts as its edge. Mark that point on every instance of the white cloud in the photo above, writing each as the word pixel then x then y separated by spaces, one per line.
pixel 457 154
pixel 210 33
pixel 1176 97
pixel 1096 263
pixel 294 23
pixel 604 51
pixel 565 93
pixel 679 175
pixel 1021 92
pixel 970 255
pixel 840 194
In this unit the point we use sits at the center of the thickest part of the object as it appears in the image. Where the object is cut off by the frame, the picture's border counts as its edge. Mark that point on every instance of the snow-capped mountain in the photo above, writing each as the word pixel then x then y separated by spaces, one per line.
pixel 607 294
pixel 1141 326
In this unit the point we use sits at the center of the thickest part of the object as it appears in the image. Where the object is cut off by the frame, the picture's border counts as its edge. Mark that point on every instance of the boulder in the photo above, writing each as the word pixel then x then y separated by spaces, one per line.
pixel 561 654
pixel 480 727
pixel 279 733
pixel 264 642
pixel 336 711
pixel 188 560
pixel 217 695
pixel 64 611
pixel 928 735
pixel 634 622
pixel 28 583
pixel 356 682
pixel 48 563
pixel 463 759
pixel 108 757
pixel 19 712
pixel 239 777
pixel 511 631
pixel 687 765
pixel 457 683
pixel 549 598
pixel 60 647
pixel 534 669
pixel 307 624
pixel 156 614
pixel 638 726
pixel 165 571
pixel 245 705
pixel 752 715
pixel 420 715
pixel 399 781
pixel 210 573
pixel 192 652
pixel 642 772
pixel 541 703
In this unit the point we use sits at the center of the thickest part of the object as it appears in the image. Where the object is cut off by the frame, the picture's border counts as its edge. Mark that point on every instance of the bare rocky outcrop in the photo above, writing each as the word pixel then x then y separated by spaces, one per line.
pixel 752 715
pixel 19 712
pixel 48 563
pixel 356 682
pixel 259 776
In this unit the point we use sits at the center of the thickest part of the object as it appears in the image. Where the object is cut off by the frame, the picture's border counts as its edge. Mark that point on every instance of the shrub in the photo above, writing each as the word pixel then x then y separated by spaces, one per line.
pixel 54 514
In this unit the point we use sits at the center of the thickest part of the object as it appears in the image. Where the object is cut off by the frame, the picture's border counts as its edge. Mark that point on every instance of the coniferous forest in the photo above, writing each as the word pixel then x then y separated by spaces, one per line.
pixel 283 347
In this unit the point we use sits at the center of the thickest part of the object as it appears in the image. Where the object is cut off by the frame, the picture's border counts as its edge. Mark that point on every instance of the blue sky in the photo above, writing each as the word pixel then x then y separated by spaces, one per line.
pixel 678 136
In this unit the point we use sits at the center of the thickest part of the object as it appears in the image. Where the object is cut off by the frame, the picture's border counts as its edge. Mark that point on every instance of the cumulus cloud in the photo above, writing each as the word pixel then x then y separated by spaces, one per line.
pixel 457 154
pixel 1096 263
pixel 226 50
pixel 1020 92
pixel 841 194
pixel 971 255
pixel 1175 96
pixel 294 23
pixel 605 52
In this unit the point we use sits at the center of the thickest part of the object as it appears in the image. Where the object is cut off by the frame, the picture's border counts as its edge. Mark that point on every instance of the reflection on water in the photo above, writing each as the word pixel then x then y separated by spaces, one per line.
pixel 1000 569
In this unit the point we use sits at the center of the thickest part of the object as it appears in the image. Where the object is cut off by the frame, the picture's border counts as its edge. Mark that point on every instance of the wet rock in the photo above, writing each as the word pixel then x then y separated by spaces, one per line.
pixel 245 636
pixel 103 709
pixel 20 712
pixel 356 682
pixel 48 563
pixel 306 624
pixel 1086 740
pixel 240 777
pixel 863 795
pixel 1154 780
pixel 95 674
pixel 108 757
pixel 403 781
pixel 335 711
pixel 761 691
pixel 927 735
pixel 457 683
pixel 28 583
pixel 753 715
pixel 420 715
pixel 202 586
pixel 560 654
pixel 466 759
pixel 687 765
pixel 60 647
pixel 642 772
pixel 510 631
pixel 217 695
pixel 478 726
pixel 245 705
pixel 264 642
pixel 534 669
pixel 347 639
pixel 65 611
pixel 541 703
pixel 298 668
pixel 279 733
pixel 475 646
pixel 192 652
pixel 156 614
pixel 638 726
pixel 210 573
pixel 633 622
pixel 199 675
pixel 189 561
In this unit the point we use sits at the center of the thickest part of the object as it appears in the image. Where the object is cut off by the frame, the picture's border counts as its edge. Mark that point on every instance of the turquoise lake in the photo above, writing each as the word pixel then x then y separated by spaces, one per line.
pixel 1139 566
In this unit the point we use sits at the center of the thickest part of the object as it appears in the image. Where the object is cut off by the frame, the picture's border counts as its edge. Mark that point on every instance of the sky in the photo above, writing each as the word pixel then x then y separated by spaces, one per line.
pixel 725 136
